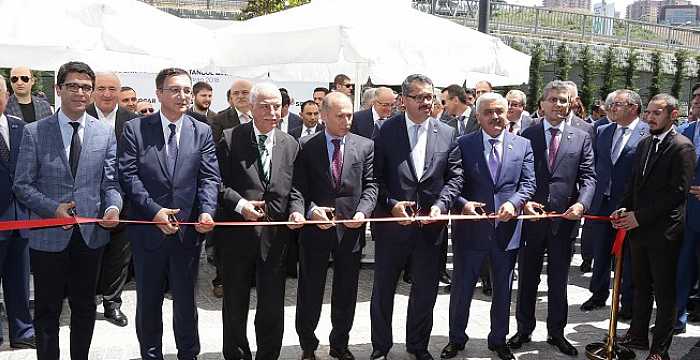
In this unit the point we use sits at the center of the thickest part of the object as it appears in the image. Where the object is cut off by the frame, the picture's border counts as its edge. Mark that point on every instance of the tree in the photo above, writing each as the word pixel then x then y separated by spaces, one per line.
pixel 630 68
pixel 563 63
pixel 264 7
pixel 536 83
pixel 656 76
pixel 680 58
pixel 609 72
pixel 587 69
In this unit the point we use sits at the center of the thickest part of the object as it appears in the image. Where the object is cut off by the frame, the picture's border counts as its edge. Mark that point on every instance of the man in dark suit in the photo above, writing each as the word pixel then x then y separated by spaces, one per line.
pixel 22 103
pixel 565 184
pixel 289 120
pixel 14 253
pixel 653 211
pixel 518 121
pixel 615 147
pixel 499 177
pixel 415 170
pixel 114 269
pixel 201 105
pixel 367 123
pixel 237 113
pixel 168 171
pixel 341 179
pixel 67 166
pixel 456 106
pixel 309 115
pixel 257 165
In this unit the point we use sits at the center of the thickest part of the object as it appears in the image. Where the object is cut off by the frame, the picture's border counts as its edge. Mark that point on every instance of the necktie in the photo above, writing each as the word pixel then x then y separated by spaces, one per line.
pixel 618 146
pixel 414 140
pixel 264 158
pixel 172 149
pixel 4 150
pixel 651 153
pixel 553 147
pixel 462 125
pixel 511 127
pixel 75 147
pixel 308 131
pixel 337 163
pixel 494 160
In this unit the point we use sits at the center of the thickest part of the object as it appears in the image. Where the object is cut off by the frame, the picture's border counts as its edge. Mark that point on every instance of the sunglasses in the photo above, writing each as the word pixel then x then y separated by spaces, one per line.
pixel 147 111
pixel 24 78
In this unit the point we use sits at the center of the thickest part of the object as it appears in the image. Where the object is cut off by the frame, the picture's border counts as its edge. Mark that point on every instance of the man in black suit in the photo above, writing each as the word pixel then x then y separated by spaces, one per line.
pixel 456 106
pixel 334 173
pixel 289 120
pixel 117 254
pixel 237 113
pixel 653 211
pixel 309 117
pixel 415 170
pixel 565 184
pixel 201 103
pixel 257 163
pixel 367 122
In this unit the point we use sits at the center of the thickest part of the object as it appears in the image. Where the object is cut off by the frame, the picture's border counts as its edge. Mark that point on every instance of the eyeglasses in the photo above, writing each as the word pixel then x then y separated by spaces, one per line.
pixel 177 90
pixel 383 104
pixel 147 111
pixel 24 79
pixel 348 85
pixel 73 87
pixel 421 97
pixel 514 104
pixel 619 104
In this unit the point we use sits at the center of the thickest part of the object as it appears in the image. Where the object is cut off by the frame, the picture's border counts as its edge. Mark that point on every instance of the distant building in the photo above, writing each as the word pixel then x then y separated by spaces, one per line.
pixel 567 4
pixel 680 15
pixel 648 10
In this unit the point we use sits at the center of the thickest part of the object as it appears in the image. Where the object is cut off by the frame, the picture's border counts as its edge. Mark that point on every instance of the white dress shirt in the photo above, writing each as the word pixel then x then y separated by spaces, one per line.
pixel 5 129
pixel 419 144
pixel 165 123
pixel 244 118
pixel 487 145
pixel 111 118
pixel 548 135
pixel 269 144
pixel 284 124
pixel 67 130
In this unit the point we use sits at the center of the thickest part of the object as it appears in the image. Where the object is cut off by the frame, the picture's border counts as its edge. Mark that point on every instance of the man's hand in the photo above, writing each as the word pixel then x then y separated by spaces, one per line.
pixel 574 212
pixel 253 210
pixel 205 223
pixel 62 212
pixel 110 219
pixel 399 211
pixel 533 208
pixel 320 214
pixel 434 212
pixel 506 211
pixel 163 221
pixel 359 221
pixel 297 218
pixel 695 190
pixel 624 220
pixel 471 206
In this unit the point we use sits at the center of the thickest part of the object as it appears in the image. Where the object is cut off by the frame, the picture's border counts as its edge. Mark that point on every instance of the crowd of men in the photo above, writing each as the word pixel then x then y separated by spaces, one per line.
pixel 424 152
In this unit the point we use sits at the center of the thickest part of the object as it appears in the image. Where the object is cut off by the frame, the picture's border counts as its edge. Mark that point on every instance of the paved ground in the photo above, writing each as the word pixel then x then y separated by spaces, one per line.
pixel 110 342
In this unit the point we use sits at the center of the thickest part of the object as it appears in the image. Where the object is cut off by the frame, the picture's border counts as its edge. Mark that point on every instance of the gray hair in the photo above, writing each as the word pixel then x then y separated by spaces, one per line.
pixel 516 94
pixel 671 102
pixel 632 98
pixel 573 88
pixel 555 85
pixel 609 99
pixel 3 84
pixel 410 79
pixel 367 97
pixel 490 97
pixel 265 88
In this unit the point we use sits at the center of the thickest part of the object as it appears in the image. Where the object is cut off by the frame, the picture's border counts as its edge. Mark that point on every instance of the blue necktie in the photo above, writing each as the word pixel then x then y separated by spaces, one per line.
pixel 172 150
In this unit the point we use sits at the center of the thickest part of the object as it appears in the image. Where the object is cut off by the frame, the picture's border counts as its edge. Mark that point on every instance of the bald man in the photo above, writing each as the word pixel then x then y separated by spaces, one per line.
pixel 117 254
pixel 237 113
pixel 367 122
pixel 22 103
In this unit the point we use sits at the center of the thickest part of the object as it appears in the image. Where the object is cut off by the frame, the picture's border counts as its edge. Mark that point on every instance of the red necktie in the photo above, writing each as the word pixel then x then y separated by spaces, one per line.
pixel 553 147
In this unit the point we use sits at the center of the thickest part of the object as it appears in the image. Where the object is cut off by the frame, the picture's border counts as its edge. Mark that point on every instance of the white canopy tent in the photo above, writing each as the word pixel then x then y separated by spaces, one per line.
pixel 385 40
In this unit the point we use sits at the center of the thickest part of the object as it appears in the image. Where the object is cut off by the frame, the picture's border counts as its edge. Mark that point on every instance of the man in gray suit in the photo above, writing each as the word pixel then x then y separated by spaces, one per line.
pixel 67 167
pixel 518 120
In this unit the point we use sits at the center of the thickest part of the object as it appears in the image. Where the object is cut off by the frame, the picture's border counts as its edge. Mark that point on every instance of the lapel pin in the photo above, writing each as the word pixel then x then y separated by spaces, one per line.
pixel 510 146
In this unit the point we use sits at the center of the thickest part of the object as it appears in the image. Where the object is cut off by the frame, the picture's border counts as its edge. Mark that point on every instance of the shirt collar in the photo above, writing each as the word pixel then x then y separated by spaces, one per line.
pixel 375 114
pixel 467 112
pixel 410 124
pixel 63 119
pixel 108 115
pixel 165 122
pixel 547 126
pixel 330 137
pixel 632 125
pixel 488 137
pixel 270 134
pixel 248 114
pixel 662 136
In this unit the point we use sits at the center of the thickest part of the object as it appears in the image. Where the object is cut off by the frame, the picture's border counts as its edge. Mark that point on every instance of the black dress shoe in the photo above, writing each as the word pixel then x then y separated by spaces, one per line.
pixel 592 304
pixel 29 343
pixel 486 286
pixel 563 345
pixel 344 354
pixel 517 341
pixel 676 330
pixel 586 266
pixel 503 352
pixel 116 317
pixel 378 355
pixel 633 342
pixel 308 355
pixel 407 277
pixel 625 313
pixel 422 355
pixel 445 278
pixel 451 350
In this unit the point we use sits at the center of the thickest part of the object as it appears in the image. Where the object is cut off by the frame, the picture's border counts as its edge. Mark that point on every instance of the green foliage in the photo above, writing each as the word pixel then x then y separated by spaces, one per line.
pixel 656 76
pixel 630 68
pixel 680 60
pixel 697 63
pixel 562 63
pixel 609 72
pixel 536 82
pixel 264 7
pixel 587 70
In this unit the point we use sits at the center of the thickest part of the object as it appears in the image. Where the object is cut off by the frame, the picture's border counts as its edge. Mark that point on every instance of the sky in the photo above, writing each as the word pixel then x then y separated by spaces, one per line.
pixel 620 5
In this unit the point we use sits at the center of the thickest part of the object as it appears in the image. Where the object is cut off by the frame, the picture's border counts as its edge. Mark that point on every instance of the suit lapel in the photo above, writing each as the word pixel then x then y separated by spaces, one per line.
pixel 349 156
pixel 253 154
pixel 431 141
pixel 88 142
pixel 157 134
pixel 567 137
pixel 663 147
pixel 186 144
pixel 58 140
pixel 539 144
pixel 403 142
pixel 479 151
pixel 607 144
pixel 277 150
pixel 15 140
pixel 321 142
pixel 637 134
pixel 505 156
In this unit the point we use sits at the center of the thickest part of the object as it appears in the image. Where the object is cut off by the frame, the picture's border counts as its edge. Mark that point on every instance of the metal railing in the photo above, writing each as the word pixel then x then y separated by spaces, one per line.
pixel 208 9
pixel 565 25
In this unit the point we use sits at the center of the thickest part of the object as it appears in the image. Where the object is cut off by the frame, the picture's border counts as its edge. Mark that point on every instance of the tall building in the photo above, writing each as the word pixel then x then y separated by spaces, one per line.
pixel 680 15
pixel 648 10
pixel 567 4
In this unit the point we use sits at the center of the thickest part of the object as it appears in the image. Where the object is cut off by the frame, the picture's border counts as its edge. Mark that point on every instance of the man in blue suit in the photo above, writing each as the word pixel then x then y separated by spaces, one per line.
pixel 415 169
pixel 14 253
pixel 168 168
pixel 565 184
pixel 499 177
pixel 615 147
pixel 66 167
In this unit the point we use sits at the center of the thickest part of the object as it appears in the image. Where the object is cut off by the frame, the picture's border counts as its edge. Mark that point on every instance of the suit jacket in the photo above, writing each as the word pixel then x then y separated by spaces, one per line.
pixel 203 118
pixel 123 115
pixel 515 183
pixel 42 109
pixel 600 122
pixel 238 156
pixel 619 174
pixel 441 181
pixel 583 125
pixel 149 187
pixel 43 179
pixel 471 126
pixel 573 177
pixel 445 117
pixel 225 119
pixel 294 121
pixel 693 207
pixel 10 208
pixel 658 197
pixel 358 189
pixel 296 132
pixel 363 124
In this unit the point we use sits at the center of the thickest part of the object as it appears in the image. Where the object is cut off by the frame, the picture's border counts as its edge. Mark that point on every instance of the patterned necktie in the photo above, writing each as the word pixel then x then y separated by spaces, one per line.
pixel 4 150
pixel 494 160
pixel 75 148
pixel 462 125
pixel 553 147
pixel 337 163
pixel 172 149
pixel 618 146
pixel 308 131
pixel 264 158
